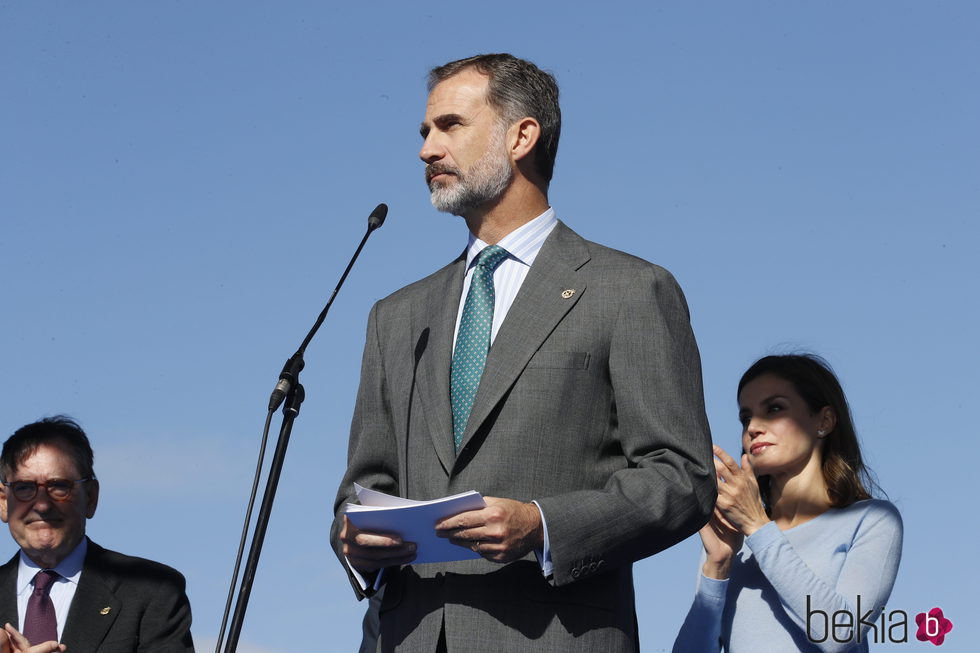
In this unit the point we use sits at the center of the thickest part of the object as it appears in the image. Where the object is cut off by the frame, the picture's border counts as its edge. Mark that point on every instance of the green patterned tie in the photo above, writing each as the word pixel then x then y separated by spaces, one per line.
pixel 473 339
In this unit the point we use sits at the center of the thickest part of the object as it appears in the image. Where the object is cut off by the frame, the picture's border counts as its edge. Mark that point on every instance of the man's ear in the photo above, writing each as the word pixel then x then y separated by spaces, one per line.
pixel 3 503
pixel 523 136
pixel 92 494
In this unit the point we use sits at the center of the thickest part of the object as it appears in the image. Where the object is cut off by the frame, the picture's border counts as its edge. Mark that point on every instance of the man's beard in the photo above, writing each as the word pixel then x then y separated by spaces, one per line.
pixel 485 181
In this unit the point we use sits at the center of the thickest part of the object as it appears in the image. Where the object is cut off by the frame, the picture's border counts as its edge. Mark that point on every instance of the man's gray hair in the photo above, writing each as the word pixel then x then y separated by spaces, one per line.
pixel 517 89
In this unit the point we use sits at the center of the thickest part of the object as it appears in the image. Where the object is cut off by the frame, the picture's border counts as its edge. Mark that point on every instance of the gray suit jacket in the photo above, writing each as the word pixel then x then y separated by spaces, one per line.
pixel 590 403
pixel 122 605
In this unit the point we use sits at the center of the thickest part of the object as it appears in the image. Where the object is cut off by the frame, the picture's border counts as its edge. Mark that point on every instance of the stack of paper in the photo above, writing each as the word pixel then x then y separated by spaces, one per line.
pixel 414 521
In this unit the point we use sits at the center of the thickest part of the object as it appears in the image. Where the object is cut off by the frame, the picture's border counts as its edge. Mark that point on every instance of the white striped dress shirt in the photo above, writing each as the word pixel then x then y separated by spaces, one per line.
pixel 522 245
pixel 62 590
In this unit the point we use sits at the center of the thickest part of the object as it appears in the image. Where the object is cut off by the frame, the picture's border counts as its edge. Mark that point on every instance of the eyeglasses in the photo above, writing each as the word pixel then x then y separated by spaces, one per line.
pixel 58 489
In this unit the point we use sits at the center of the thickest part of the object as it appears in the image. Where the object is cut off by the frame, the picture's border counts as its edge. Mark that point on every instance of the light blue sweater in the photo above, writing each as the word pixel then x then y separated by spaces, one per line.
pixel 825 565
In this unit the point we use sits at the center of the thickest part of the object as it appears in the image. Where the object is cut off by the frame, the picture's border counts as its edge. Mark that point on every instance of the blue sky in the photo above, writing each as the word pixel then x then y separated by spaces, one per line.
pixel 181 185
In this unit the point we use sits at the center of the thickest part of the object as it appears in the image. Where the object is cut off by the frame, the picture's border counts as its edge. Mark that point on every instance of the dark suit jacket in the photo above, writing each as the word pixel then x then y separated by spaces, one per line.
pixel 590 403
pixel 122 605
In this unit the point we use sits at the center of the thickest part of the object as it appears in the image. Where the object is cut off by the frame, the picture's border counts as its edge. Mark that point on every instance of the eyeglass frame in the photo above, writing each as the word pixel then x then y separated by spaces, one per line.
pixel 38 485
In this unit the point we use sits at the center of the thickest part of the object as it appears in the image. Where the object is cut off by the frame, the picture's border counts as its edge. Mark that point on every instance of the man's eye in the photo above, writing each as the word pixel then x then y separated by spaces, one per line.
pixel 59 486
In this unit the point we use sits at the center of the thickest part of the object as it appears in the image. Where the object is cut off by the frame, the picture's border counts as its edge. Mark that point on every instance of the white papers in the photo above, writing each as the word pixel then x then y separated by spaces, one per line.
pixel 414 521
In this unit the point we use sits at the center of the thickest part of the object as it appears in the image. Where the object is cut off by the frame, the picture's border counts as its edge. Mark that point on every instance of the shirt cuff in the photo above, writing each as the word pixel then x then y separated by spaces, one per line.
pixel 544 553
pixel 712 588
pixel 363 581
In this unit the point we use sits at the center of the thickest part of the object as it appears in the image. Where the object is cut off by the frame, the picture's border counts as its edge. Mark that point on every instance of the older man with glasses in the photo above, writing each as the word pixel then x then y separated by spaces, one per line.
pixel 61 586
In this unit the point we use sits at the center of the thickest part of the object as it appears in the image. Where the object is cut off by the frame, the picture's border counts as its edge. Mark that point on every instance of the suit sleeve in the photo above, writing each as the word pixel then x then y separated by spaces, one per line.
pixel 371 455
pixel 666 489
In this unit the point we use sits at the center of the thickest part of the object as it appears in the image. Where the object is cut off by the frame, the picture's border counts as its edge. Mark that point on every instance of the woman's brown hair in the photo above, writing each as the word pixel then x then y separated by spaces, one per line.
pixel 848 479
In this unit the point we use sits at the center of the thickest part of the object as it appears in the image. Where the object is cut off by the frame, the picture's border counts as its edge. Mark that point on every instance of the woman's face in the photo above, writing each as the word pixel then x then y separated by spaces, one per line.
pixel 779 433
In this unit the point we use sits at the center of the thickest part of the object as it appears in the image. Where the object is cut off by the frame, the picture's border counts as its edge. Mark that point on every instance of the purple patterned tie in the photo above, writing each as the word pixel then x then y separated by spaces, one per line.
pixel 40 624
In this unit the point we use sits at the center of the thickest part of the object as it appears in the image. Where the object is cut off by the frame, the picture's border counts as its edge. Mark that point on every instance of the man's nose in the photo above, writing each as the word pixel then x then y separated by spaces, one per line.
pixel 431 150
pixel 42 502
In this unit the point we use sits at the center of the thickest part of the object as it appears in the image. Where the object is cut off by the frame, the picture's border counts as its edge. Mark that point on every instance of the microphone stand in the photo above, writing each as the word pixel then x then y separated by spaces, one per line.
pixel 288 390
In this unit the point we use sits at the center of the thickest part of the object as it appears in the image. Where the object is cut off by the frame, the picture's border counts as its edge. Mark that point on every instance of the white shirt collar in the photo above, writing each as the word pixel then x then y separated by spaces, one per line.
pixel 70 568
pixel 523 244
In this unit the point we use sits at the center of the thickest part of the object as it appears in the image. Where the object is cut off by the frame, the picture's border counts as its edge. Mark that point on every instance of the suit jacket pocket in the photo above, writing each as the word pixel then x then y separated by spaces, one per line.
pixel 564 360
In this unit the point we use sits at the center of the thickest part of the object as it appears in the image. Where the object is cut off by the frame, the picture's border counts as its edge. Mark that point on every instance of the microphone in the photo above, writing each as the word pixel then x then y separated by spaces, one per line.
pixel 290 371
pixel 377 217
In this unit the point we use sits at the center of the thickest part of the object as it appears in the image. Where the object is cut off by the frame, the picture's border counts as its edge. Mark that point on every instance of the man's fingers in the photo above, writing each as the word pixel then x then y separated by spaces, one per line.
pixel 377 540
pixel 368 551
pixel 372 558
pixel 373 549
pixel 468 519
pixel 469 538
pixel 350 535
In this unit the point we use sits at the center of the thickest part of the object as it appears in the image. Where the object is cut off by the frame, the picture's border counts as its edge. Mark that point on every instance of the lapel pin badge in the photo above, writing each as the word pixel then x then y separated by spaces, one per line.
pixel 105 610
pixel 566 294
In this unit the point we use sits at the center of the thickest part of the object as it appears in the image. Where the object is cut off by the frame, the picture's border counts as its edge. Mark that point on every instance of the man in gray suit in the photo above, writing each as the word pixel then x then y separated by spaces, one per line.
pixel 92 599
pixel 558 377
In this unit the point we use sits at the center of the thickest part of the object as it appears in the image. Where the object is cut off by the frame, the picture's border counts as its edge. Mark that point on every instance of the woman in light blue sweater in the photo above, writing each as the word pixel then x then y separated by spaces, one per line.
pixel 798 556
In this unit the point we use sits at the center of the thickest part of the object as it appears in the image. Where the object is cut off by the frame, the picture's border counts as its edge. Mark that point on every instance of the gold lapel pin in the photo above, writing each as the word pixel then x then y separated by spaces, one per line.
pixel 566 294
pixel 105 610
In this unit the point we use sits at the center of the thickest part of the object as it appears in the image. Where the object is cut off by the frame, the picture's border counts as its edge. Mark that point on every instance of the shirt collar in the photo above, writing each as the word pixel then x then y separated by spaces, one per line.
pixel 523 244
pixel 70 568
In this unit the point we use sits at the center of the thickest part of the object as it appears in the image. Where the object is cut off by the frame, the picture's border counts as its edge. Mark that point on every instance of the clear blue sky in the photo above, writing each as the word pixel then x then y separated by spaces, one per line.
pixel 182 183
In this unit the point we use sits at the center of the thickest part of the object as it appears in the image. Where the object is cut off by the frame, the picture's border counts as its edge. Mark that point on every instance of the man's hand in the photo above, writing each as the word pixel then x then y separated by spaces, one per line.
pixel 368 552
pixel 504 531
pixel 12 641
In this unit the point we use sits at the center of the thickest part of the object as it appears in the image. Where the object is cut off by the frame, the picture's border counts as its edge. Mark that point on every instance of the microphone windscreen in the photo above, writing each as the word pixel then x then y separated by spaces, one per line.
pixel 377 217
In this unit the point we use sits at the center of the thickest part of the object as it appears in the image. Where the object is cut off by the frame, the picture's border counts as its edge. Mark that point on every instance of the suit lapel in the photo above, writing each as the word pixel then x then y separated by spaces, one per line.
pixel 8 592
pixel 433 322
pixel 94 607
pixel 539 306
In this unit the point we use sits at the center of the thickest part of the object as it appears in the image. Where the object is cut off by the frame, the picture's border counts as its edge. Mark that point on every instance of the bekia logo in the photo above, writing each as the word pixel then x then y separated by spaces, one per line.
pixel 843 626
pixel 933 626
